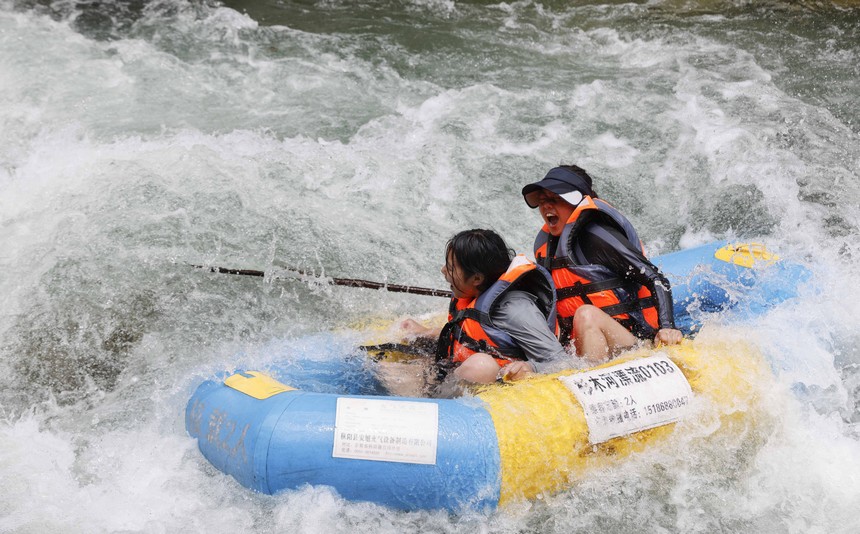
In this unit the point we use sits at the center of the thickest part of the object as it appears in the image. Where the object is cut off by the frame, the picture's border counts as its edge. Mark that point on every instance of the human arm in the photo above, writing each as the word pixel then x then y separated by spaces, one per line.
pixel 518 315
pixel 515 371
pixel 412 329
pixel 668 336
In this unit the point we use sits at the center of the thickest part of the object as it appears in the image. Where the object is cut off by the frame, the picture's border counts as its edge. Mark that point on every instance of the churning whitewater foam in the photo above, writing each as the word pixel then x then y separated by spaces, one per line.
pixel 352 140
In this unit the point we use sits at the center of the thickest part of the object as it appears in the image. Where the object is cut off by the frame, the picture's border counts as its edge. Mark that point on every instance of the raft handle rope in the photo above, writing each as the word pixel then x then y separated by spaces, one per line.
pixel 347 282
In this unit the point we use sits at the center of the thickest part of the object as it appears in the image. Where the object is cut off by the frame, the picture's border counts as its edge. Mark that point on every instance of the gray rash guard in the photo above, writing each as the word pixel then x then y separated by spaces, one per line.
pixel 518 315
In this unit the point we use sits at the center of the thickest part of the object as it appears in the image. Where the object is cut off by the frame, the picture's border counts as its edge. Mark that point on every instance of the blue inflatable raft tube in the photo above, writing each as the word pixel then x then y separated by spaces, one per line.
pixel 508 443
pixel 740 281
pixel 286 441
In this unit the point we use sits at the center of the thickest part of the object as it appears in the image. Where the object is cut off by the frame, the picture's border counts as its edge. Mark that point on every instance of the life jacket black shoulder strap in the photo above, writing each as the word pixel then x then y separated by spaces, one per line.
pixel 553 264
pixel 583 290
pixel 471 313
pixel 453 331
pixel 456 333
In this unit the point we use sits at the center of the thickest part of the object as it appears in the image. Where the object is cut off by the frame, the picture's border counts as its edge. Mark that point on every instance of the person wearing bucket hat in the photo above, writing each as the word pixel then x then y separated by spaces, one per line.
pixel 608 294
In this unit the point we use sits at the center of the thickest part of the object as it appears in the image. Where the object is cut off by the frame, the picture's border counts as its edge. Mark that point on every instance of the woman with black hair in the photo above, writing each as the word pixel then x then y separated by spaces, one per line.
pixel 501 321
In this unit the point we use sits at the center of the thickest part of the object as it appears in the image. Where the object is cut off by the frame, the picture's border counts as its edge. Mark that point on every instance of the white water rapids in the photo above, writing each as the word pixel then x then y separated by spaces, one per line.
pixel 353 139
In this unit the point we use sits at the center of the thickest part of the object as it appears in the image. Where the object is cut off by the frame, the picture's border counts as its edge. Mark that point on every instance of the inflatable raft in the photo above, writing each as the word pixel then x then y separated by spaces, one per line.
pixel 739 281
pixel 509 442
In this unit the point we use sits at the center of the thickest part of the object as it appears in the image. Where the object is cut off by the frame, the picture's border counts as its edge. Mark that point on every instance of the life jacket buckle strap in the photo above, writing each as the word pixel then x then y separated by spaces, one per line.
pixel 583 290
pixel 544 261
pixel 559 263
pixel 631 306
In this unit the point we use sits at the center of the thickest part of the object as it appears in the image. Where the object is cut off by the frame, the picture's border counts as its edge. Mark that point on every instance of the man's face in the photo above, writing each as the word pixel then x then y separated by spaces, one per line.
pixel 554 209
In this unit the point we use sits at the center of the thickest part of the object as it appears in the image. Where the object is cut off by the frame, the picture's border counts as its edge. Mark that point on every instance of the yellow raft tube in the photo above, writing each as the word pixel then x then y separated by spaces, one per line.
pixel 510 442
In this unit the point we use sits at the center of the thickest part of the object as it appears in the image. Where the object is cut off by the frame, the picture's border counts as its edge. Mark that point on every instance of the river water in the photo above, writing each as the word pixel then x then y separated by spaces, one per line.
pixel 352 139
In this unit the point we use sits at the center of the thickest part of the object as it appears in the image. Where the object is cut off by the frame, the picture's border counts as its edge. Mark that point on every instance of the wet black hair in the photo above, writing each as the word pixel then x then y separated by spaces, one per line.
pixel 580 171
pixel 479 251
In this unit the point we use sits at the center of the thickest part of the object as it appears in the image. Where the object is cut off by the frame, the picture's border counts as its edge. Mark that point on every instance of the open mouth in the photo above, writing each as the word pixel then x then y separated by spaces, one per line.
pixel 551 219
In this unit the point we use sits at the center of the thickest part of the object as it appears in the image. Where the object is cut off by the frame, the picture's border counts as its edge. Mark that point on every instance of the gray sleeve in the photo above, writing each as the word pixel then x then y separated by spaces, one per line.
pixel 518 315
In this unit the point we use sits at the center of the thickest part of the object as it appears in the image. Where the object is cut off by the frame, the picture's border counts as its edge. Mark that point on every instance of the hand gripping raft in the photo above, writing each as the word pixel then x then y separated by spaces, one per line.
pixel 508 443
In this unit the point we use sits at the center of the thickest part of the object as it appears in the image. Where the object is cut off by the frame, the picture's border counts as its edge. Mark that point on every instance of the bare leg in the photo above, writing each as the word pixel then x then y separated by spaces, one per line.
pixel 479 368
pixel 408 378
pixel 597 336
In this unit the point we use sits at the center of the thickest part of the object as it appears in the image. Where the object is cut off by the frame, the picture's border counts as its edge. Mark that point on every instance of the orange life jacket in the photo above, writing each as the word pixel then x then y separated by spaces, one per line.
pixel 470 329
pixel 630 303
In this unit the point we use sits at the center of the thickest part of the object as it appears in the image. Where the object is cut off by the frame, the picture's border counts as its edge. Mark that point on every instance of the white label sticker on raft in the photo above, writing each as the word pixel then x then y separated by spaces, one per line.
pixel 631 396
pixel 386 430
